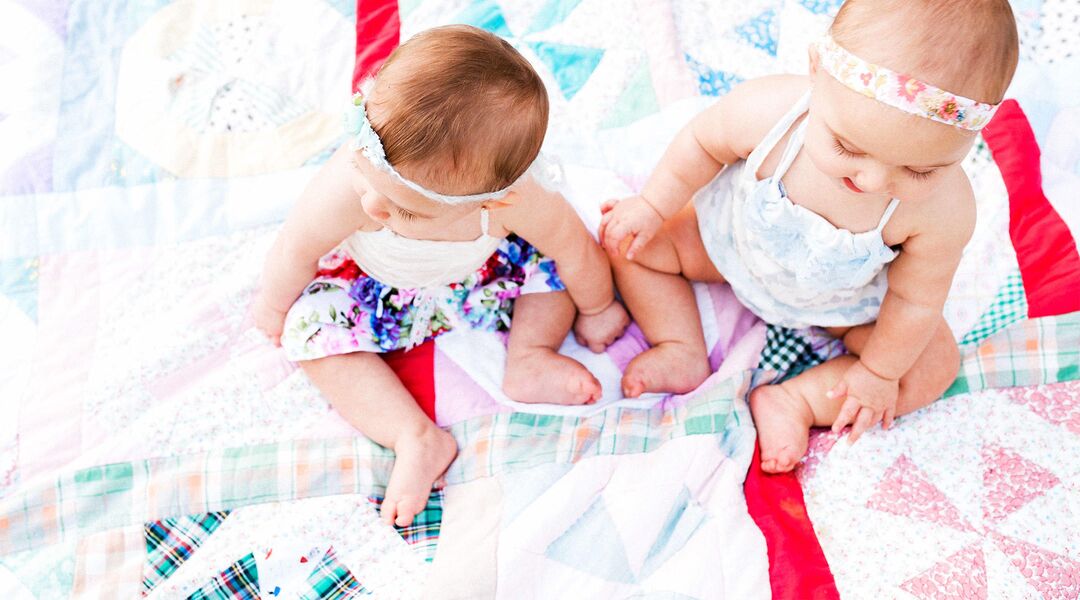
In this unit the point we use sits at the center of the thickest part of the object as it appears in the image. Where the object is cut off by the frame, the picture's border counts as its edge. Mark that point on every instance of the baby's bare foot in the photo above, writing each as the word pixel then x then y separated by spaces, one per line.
pixel 783 427
pixel 420 461
pixel 671 367
pixel 543 376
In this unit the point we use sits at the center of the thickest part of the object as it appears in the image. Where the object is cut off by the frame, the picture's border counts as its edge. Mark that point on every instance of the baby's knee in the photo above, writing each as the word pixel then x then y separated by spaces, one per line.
pixel 932 375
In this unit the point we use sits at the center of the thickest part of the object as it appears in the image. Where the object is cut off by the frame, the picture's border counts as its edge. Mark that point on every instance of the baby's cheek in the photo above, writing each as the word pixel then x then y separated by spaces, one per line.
pixel 828 162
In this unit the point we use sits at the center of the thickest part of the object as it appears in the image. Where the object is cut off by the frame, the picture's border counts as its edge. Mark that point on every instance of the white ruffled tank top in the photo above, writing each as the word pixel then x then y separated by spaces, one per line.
pixel 407 263
pixel 786 263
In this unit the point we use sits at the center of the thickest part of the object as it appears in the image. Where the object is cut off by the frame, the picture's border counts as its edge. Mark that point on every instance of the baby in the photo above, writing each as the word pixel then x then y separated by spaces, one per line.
pixel 842 205
pixel 419 226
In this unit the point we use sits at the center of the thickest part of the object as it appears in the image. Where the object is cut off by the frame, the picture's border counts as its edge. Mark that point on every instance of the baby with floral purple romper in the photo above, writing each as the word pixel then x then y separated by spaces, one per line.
pixel 419 226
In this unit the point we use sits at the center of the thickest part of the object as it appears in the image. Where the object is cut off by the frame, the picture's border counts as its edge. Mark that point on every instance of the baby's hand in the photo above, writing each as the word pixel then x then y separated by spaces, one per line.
pixel 870 398
pixel 269 320
pixel 598 331
pixel 632 217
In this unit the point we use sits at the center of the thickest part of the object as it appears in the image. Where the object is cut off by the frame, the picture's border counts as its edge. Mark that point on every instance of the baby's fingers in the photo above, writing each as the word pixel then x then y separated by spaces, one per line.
pixel 607 205
pixel 888 418
pixel 837 392
pixel 863 422
pixel 614 232
pixel 640 241
pixel 847 413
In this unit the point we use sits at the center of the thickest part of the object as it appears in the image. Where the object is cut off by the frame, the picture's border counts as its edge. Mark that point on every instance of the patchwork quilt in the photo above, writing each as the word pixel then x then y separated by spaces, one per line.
pixel 152 443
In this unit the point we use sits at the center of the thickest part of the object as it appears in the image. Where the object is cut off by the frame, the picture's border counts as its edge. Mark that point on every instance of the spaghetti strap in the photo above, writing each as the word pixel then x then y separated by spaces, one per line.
pixel 765 147
pixel 794 145
pixel 484 220
pixel 889 210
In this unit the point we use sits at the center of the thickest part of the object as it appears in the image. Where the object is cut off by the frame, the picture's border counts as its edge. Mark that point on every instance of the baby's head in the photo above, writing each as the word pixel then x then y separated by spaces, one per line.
pixel 459 112
pixel 968 48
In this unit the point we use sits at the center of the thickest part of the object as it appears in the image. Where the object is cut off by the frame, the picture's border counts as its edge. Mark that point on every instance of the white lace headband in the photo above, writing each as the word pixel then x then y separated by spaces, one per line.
pixel 901 91
pixel 363 138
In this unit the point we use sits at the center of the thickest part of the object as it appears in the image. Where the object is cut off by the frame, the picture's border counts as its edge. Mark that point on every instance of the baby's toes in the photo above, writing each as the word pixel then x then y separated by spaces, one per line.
pixel 408 508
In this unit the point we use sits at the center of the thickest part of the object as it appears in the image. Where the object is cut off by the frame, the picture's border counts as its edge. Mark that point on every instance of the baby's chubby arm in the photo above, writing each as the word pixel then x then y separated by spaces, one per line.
pixel 547 221
pixel 919 281
pixel 725 132
pixel 327 212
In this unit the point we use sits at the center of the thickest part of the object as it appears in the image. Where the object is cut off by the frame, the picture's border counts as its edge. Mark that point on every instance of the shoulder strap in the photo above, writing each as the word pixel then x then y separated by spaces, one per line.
pixel 889 210
pixel 765 147
pixel 794 145
pixel 484 220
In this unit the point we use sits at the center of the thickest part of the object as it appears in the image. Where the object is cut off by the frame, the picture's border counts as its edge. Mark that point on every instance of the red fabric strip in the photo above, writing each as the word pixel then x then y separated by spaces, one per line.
pixel 378 32
pixel 797 566
pixel 416 369
pixel 1045 248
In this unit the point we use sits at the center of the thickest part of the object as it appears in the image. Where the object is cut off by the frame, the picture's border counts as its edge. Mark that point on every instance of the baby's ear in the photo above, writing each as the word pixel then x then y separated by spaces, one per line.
pixel 815 59
pixel 510 198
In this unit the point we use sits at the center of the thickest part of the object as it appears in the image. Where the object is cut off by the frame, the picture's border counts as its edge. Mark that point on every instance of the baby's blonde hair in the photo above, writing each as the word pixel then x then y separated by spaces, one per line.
pixel 465 112
pixel 968 47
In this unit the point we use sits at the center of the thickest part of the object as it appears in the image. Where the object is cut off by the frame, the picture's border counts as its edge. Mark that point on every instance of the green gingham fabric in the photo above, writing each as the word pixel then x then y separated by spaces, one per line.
pixel 169 542
pixel 1008 307
pixel 239 582
pixel 423 533
pixel 331 580
pixel 785 350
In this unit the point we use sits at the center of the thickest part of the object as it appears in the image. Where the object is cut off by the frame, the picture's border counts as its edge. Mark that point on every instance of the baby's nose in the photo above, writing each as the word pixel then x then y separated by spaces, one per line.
pixel 875 181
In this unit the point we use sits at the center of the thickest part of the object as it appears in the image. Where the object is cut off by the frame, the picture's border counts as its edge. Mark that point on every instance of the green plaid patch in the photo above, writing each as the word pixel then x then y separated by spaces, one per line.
pixel 239 582
pixel 332 580
pixel 423 533
pixel 170 542
pixel 1032 352
pixel 1008 307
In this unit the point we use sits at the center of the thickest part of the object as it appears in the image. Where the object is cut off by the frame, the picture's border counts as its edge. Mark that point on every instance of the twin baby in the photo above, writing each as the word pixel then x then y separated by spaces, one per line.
pixel 833 200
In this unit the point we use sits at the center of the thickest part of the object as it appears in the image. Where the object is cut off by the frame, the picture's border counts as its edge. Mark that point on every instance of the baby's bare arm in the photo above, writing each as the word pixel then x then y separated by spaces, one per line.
pixel 722 134
pixel 327 212
pixel 919 280
pixel 546 220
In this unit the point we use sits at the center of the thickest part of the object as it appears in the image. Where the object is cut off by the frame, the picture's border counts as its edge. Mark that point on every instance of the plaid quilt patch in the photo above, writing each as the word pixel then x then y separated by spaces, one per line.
pixel 239 582
pixel 169 542
pixel 331 580
pixel 108 565
pixel 423 533
pixel 1032 352
pixel 1008 307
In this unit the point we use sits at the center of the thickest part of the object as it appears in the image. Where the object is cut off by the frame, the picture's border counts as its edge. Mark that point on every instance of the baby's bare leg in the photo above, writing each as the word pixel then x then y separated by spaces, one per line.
pixel 658 294
pixel 367 393
pixel 535 371
pixel 784 413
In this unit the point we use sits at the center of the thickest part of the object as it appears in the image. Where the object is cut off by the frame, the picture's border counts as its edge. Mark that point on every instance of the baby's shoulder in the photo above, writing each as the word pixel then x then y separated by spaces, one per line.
pixel 949 214
pixel 753 107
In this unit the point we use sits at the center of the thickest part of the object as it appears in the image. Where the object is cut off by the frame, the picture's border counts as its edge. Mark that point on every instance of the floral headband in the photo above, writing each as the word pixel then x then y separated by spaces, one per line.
pixel 363 138
pixel 901 91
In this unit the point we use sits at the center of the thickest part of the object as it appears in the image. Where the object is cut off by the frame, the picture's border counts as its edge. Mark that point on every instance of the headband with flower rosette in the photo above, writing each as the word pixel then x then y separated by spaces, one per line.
pixel 901 91
pixel 363 138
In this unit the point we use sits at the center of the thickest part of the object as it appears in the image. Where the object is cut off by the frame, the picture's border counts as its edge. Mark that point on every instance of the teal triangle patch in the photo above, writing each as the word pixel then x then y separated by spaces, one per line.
pixel 637 100
pixel 553 13
pixel 485 14
pixel 593 546
pixel 570 65
pixel 240 580
pixel 19 282
pixel 681 524
pixel 170 542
